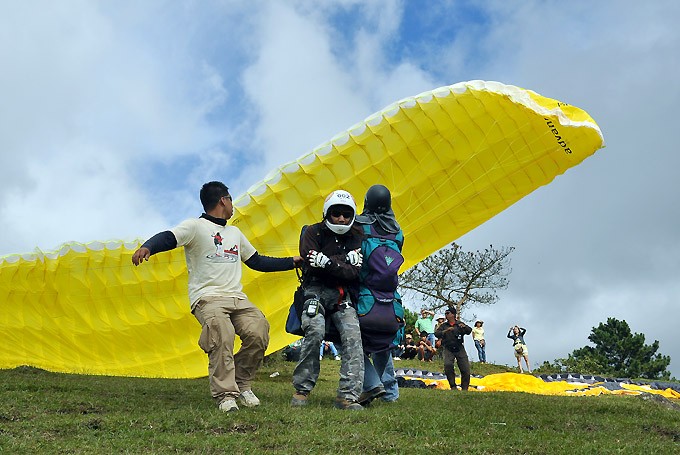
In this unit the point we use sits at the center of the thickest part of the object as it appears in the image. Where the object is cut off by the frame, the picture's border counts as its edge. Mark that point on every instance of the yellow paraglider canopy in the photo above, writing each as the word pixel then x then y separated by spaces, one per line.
pixel 452 157
pixel 514 382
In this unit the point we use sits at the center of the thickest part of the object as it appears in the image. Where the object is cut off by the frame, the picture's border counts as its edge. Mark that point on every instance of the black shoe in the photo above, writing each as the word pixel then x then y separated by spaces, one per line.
pixel 366 397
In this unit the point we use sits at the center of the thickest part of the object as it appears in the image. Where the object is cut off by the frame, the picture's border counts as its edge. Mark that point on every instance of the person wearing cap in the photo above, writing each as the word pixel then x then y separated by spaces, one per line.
pixel 439 320
pixel 480 343
pixel 451 333
pixel 330 278
pixel 408 350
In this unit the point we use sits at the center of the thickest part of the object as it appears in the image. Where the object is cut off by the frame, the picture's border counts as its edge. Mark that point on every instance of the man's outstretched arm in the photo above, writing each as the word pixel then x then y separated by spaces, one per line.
pixel 163 241
pixel 270 264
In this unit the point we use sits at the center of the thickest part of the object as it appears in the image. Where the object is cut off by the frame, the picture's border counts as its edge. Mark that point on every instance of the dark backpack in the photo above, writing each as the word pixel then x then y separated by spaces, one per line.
pixel 382 260
pixel 379 307
pixel 294 319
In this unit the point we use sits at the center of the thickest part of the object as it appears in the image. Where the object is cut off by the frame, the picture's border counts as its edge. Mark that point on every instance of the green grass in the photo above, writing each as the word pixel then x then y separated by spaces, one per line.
pixel 42 412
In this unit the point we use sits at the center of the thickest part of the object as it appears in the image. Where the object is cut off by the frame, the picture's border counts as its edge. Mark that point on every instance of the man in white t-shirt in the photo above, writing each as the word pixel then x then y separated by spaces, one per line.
pixel 214 252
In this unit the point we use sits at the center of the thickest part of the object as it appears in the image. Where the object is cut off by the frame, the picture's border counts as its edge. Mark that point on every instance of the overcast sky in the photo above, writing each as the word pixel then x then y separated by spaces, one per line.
pixel 112 114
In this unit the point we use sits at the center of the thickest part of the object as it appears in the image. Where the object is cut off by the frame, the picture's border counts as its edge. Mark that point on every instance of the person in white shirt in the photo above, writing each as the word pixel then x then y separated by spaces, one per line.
pixel 480 342
pixel 214 252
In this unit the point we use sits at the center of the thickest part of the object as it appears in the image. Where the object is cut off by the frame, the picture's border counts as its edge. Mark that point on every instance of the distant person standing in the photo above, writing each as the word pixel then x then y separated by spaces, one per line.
pixel 439 320
pixel 425 323
pixel 516 334
pixel 480 342
pixel 451 333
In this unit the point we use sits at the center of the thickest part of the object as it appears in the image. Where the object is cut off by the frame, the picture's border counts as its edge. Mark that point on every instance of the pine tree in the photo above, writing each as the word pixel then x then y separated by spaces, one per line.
pixel 619 352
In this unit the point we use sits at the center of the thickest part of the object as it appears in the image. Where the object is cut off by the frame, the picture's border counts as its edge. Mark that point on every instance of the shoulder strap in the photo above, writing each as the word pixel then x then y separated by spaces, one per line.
pixel 299 271
pixel 398 238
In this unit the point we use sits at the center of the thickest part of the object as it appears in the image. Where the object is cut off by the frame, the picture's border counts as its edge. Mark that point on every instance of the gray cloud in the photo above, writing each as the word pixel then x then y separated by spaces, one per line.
pixel 601 240
pixel 112 117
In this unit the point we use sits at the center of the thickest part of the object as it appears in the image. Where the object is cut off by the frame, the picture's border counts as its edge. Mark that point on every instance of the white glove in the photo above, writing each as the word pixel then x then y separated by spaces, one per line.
pixel 355 258
pixel 318 259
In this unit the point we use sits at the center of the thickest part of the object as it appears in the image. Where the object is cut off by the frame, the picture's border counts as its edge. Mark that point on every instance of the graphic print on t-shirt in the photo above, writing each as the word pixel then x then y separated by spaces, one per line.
pixel 223 254
pixel 218 242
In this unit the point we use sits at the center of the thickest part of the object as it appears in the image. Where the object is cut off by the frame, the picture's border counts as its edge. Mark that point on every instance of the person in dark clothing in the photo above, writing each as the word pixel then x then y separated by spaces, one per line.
pixel 330 278
pixel 451 333
pixel 408 350
pixel 381 314
pixel 291 353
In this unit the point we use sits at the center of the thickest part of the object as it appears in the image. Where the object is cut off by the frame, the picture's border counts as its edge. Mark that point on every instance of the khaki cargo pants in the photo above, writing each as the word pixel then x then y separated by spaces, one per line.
pixel 221 319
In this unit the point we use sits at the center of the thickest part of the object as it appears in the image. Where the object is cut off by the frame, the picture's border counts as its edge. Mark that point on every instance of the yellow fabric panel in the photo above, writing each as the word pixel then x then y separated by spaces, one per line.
pixel 86 309
pixel 453 158
pixel 515 382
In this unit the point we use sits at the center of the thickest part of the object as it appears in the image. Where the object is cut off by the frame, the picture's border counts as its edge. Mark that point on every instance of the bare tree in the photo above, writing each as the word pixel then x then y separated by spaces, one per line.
pixel 452 276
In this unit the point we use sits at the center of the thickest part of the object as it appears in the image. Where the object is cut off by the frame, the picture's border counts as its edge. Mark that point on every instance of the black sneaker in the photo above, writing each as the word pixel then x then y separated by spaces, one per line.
pixel 366 397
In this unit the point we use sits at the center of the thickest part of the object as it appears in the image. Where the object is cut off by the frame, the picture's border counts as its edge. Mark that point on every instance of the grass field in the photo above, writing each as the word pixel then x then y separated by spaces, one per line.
pixel 42 412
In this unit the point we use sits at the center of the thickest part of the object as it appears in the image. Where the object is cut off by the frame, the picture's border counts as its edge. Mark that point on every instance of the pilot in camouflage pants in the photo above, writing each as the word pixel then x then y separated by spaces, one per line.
pixel 330 279
pixel 345 320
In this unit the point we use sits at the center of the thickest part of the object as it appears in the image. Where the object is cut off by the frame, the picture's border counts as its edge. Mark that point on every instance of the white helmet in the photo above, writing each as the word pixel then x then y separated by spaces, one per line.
pixel 339 197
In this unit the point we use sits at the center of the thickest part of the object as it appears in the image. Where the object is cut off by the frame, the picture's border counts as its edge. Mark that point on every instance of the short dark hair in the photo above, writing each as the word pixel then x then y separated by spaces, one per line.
pixel 450 310
pixel 211 193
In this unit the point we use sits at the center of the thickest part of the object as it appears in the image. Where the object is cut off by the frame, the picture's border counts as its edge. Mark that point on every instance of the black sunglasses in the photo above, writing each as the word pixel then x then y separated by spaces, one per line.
pixel 347 214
